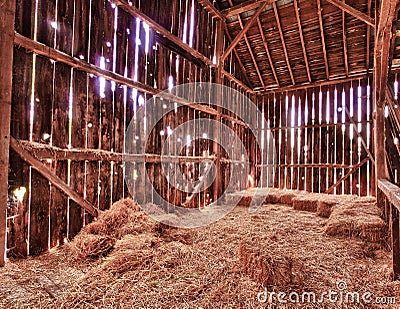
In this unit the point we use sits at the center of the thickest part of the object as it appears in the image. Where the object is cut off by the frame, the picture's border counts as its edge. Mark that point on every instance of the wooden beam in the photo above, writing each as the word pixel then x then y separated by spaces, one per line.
pixel 46 152
pixel 211 9
pixel 250 50
pixel 237 81
pixel 52 177
pixel 321 28
pixel 352 170
pixel 7 18
pixel 383 41
pixel 346 60
pixel 391 191
pixel 244 31
pixel 51 53
pixel 332 81
pixel 352 11
pixel 134 11
pixel 283 42
pixel 271 63
pixel 228 35
pixel 303 45
pixel 244 7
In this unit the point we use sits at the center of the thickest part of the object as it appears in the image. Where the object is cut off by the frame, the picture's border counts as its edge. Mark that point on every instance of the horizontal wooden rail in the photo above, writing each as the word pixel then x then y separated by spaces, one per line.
pixel 389 203
pixel 311 165
pixel 47 152
pixel 391 191
pixel 51 53
pixel 52 177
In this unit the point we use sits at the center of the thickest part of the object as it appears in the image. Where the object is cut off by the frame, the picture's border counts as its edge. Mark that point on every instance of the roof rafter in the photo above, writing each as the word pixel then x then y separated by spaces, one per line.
pixel 248 43
pixel 321 27
pixel 244 7
pixel 346 59
pixel 238 58
pixel 244 30
pixel 211 9
pixel 283 42
pixel 352 11
pixel 271 63
pixel 303 46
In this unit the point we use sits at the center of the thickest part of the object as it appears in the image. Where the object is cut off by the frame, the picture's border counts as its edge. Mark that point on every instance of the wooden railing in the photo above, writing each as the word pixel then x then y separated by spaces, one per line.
pixel 389 201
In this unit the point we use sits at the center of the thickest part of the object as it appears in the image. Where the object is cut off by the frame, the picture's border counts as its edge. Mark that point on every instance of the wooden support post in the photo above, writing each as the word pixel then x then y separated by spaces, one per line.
pixel 52 177
pixel 218 96
pixel 211 9
pixel 7 18
pixel 383 41
pixel 395 233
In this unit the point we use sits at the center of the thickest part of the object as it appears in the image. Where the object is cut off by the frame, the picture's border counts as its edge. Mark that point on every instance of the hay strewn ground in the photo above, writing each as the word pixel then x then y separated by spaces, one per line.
pixel 126 260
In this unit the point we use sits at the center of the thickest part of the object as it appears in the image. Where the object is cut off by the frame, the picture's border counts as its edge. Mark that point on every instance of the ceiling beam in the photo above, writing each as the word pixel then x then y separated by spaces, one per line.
pixel 321 27
pixel 346 60
pixel 303 45
pixel 228 35
pixel 244 31
pixel 271 63
pixel 352 11
pixel 211 9
pixel 244 7
pixel 283 42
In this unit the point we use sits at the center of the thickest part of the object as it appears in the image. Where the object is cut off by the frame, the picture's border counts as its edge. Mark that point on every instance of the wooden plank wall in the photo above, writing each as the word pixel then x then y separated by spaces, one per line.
pixel 60 106
pixel 318 134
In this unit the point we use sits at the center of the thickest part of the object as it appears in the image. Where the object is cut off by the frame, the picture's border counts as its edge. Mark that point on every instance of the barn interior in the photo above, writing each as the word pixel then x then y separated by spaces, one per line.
pixel 198 153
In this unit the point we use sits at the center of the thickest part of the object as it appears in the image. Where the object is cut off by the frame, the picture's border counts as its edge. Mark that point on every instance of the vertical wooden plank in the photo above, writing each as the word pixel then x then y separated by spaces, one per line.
pixel 58 207
pixel 65 17
pixel 303 135
pixel 19 170
pixel 356 150
pixel 297 140
pixel 316 144
pixel 289 169
pixel 283 140
pixel 348 155
pixel 310 140
pixel 78 140
pixel 339 136
pixel 324 138
pixel 40 187
pixel 332 136
pixel 59 133
pixel 364 177
pixel 7 18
